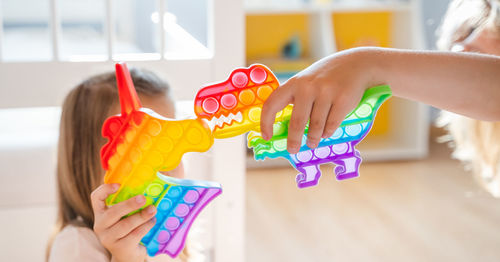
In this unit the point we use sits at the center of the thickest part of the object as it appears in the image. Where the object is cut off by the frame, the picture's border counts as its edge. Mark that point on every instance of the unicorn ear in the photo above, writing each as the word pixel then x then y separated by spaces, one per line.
pixel 129 101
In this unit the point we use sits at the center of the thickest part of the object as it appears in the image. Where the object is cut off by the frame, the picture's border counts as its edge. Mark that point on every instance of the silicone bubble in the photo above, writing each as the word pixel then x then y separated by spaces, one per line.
pixel 338 149
pixel 140 144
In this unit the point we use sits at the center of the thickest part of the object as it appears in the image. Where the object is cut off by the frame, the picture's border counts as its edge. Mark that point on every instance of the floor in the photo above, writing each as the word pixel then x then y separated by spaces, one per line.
pixel 428 210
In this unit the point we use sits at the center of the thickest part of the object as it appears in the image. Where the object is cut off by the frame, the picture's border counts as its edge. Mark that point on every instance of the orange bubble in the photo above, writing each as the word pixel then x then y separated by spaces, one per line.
pixel 247 97
pixel 264 91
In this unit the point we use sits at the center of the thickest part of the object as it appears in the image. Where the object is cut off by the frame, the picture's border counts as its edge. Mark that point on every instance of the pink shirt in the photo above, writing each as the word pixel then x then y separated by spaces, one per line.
pixel 81 244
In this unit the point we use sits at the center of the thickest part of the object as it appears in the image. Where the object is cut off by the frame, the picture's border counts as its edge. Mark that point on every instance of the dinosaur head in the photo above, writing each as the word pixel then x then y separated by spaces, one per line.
pixel 233 107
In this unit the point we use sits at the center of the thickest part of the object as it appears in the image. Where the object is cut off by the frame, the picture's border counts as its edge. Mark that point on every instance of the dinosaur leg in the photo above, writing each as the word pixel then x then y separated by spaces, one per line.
pixel 348 161
pixel 308 177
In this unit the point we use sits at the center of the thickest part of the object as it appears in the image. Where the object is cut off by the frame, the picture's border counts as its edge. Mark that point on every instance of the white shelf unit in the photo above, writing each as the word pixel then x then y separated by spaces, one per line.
pixel 407 137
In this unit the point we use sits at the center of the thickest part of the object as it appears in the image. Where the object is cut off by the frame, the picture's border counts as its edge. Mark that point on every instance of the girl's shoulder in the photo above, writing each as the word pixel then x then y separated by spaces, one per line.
pixel 76 243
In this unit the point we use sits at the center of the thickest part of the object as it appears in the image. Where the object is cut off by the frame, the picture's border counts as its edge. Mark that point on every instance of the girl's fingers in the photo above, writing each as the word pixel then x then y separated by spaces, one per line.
pixel 300 116
pixel 114 213
pixel 278 100
pixel 127 225
pixel 136 235
pixel 319 116
pixel 99 195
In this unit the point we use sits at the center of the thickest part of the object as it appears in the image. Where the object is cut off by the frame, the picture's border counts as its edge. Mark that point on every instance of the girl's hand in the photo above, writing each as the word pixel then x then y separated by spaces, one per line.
pixel 325 93
pixel 120 236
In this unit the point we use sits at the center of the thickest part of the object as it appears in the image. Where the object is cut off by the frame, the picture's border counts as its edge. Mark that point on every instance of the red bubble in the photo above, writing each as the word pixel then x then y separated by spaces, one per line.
pixel 210 105
pixel 239 79
pixel 258 75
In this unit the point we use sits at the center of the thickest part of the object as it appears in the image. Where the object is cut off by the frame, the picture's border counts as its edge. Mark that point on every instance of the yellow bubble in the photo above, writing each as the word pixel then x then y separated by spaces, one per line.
pixel 194 136
pixel 254 114
pixel 174 130
pixel 155 158
pixel 164 144
pixel 144 172
pixel 246 97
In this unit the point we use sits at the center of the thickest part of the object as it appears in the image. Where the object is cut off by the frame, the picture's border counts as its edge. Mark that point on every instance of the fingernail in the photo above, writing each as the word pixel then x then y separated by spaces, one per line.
pixel 312 145
pixel 115 187
pixel 140 199
pixel 150 209
pixel 153 219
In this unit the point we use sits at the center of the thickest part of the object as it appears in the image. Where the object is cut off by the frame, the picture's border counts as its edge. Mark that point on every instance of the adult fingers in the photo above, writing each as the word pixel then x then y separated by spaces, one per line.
pixel 127 225
pixel 99 195
pixel 337 113
pixel 319 116
pixel 278 100
pixel 300 115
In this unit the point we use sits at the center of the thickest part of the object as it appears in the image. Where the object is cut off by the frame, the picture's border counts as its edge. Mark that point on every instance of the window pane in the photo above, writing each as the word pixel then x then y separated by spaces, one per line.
pixel 186 29
pixel 135 33
pixel 26 34
pixel 83 30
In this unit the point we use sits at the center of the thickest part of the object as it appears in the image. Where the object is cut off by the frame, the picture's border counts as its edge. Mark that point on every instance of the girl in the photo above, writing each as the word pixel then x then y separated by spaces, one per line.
pixel 325 92
pixel 79 173
pixel 476 142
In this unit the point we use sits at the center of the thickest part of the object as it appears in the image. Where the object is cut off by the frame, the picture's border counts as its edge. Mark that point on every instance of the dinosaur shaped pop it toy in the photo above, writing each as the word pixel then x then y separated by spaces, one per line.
pixel 338 149
pixel 142 143
pixel 233 107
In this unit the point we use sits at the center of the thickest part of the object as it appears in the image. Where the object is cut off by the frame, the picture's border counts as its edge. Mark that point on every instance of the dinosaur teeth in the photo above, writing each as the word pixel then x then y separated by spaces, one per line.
pixel 221 120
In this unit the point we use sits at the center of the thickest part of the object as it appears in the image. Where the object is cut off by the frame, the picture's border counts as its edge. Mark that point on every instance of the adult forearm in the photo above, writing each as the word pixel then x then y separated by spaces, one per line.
pixel 467 84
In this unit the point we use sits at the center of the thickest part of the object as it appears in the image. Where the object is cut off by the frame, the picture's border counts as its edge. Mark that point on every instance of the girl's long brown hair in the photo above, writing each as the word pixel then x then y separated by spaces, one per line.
pixel 79 169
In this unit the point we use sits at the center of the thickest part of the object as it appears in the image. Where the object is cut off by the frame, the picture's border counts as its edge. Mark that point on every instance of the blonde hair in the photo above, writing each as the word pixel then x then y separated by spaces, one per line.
pixel 476 143
pixel 79 171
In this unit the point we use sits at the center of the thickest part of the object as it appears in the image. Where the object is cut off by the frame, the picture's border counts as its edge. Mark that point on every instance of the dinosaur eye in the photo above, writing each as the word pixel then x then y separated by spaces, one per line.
pixel 239 79
pixel 210 105
pixel 228 101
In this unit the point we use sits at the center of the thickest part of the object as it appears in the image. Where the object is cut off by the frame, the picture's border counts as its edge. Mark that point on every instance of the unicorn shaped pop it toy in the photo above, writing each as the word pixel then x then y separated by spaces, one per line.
pixel 338 149
pixel 142 143
pixel 233 107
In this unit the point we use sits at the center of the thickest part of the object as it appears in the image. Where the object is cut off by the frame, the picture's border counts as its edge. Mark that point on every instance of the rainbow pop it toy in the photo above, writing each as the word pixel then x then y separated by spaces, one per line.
pixel 141 143
pixel 338 149
pixel 233 107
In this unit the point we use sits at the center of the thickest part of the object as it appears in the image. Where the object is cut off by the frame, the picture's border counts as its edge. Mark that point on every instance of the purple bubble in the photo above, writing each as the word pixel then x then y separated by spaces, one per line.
pixel 182 210
pixel 172 223
pixel 304 156
pixel 163 237
pixel 322 152
pixel 191 196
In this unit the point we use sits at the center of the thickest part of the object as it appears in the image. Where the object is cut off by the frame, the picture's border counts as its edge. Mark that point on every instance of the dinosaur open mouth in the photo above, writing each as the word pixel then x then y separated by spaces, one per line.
pixel 223 120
